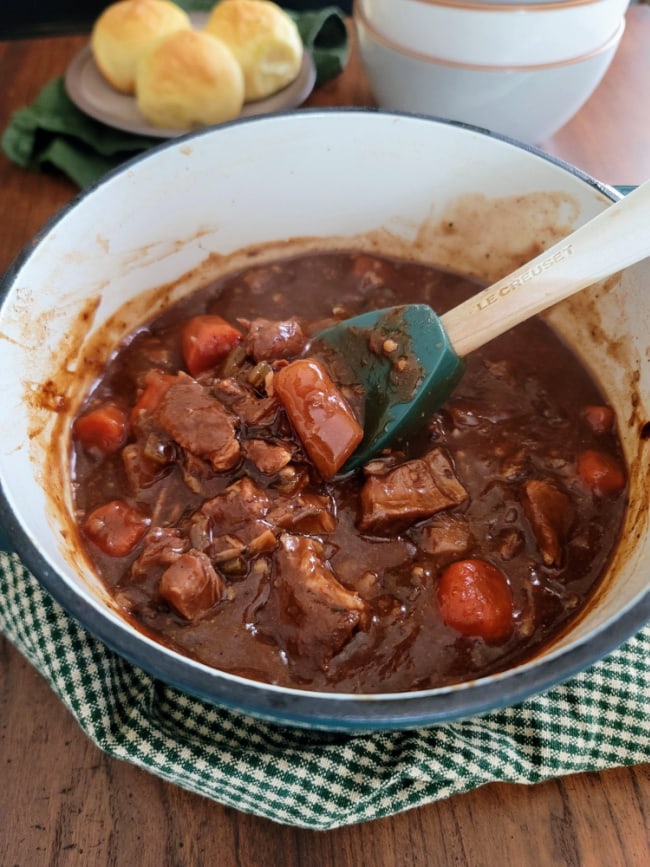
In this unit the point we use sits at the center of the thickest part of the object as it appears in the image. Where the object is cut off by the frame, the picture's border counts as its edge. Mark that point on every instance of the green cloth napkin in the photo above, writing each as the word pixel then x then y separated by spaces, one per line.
pixel 324 780
pixel 53 132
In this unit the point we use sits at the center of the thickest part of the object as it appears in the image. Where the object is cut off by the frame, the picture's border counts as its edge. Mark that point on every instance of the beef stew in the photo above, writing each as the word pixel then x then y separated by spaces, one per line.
pixel 207 486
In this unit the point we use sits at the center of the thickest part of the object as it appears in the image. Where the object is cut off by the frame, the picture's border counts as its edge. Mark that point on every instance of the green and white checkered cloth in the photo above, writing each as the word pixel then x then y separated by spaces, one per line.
pixel 323 780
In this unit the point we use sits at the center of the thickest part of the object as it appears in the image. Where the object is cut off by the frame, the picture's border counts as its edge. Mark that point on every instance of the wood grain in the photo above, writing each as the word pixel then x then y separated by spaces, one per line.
pixel 63 802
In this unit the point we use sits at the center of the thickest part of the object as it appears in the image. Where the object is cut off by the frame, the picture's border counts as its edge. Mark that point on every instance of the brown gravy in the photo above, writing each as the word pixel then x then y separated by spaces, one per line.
pixel 320 604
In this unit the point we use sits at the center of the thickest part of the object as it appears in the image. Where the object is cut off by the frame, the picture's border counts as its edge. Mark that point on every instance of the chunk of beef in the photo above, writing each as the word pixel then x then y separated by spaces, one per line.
pixel 199 423
pixel 228 390
pixel 309 614
pixel 191 585
pixel 257 411
pixel 408 493
pixel 550 513
pixel 303 513
pixel 269 458
pixel 161 547
pixel 250 407
pixel 444 535
pixel 242 503
pixel 232 520
pixel 268 339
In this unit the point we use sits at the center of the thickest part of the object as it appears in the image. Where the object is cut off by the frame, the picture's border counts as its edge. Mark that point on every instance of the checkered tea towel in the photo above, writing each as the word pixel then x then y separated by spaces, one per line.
pixel 323 780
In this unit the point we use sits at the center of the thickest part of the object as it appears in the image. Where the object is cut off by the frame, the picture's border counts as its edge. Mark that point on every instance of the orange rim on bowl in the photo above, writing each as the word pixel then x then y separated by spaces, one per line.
pixel 533 6
pixel 378 36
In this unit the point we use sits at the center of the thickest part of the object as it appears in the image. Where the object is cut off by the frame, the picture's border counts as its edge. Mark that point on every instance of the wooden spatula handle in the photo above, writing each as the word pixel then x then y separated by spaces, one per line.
pixel 619 236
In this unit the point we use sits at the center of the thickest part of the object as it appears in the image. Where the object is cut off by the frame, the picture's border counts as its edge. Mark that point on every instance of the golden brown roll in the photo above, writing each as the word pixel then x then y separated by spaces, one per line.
pixel 124 31
pixel 189 79
pixel 265 41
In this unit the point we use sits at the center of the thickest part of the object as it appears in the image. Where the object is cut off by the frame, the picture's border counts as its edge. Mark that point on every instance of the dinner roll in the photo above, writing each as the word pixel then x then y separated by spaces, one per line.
pixel 263 38
pixel 125 30
pixel 189 79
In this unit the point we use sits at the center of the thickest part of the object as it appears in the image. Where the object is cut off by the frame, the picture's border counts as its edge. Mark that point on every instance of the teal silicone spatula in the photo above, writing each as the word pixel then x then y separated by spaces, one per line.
pixel 408 360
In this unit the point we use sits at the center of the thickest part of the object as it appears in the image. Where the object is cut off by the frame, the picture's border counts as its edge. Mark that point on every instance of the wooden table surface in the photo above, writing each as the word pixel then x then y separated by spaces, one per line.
pixel 63 802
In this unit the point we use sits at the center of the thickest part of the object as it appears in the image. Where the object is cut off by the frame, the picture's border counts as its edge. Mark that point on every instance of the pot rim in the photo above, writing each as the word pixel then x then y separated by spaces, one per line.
pixel 289 706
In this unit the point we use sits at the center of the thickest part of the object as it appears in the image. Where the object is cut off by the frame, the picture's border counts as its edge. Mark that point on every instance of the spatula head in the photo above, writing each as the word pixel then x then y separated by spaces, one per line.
pixel 405 364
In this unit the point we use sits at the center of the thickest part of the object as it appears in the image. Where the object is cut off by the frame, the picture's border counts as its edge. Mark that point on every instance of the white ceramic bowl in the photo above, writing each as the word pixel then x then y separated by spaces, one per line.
pixel 528 103
pixel 497 33
pixel 181 214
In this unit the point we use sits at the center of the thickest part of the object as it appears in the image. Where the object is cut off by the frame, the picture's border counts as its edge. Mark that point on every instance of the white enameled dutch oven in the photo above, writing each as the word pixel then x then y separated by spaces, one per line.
pixel 197 206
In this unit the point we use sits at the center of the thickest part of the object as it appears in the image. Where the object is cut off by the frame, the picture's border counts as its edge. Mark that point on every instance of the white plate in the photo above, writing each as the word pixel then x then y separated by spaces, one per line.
pixel 90 92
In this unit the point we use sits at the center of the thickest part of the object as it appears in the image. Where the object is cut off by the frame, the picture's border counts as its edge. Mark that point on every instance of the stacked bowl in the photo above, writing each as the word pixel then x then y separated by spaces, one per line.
pixel 521 68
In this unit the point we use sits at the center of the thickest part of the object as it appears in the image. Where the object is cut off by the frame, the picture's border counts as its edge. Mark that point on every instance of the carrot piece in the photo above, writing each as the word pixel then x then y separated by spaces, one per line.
pixel 116 528
pixel 476 600
pixel 319 413
pixel 601 472
pixel 156 384
pixel 102 429
pixel 599 418
pixel 206 340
